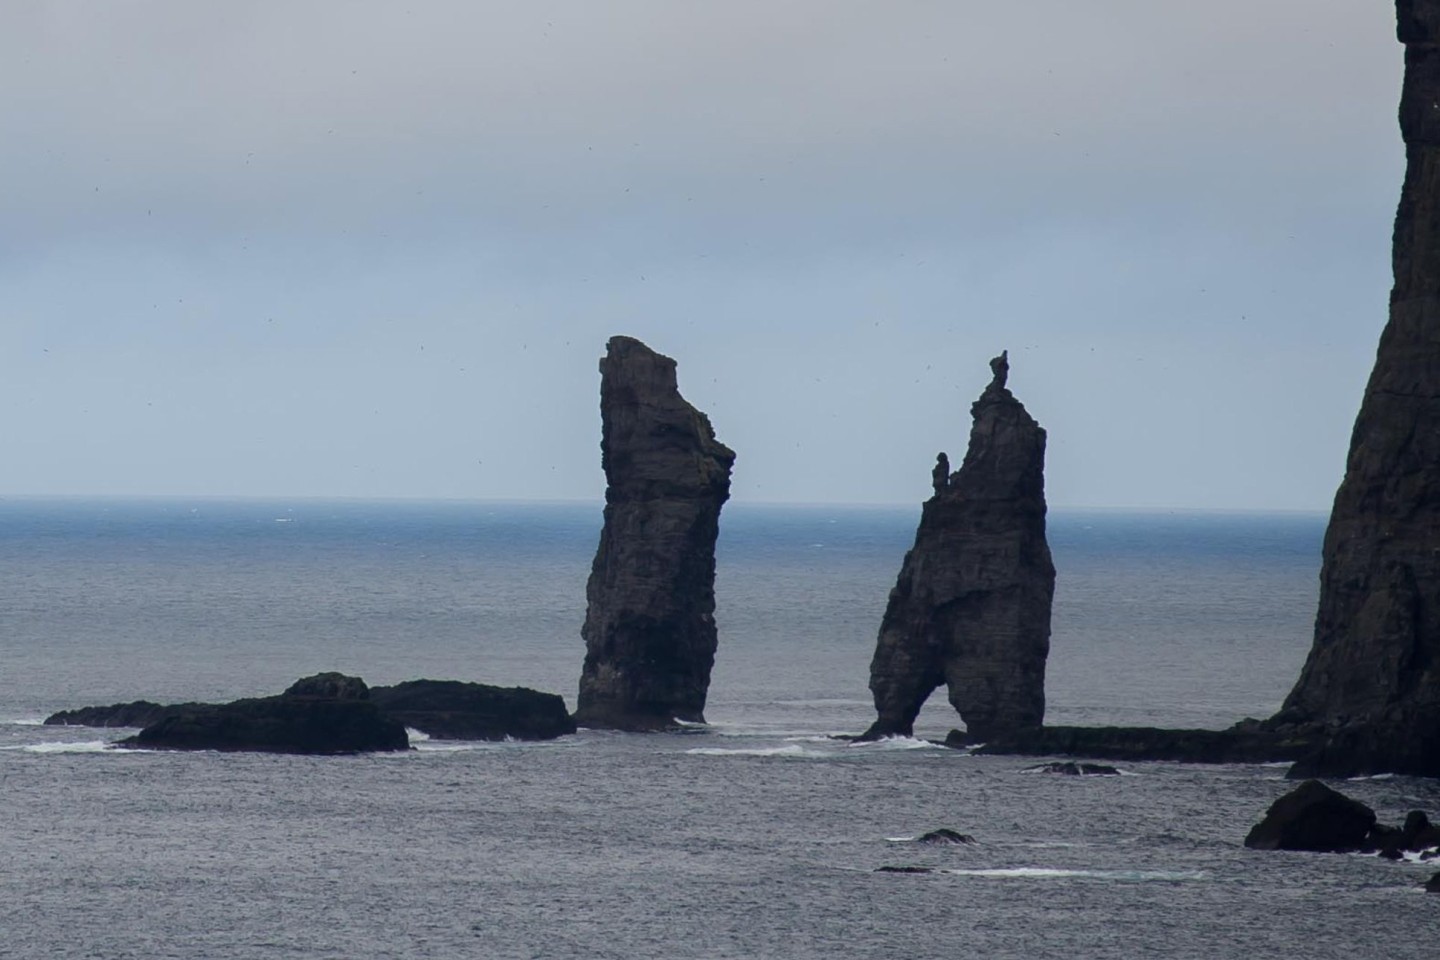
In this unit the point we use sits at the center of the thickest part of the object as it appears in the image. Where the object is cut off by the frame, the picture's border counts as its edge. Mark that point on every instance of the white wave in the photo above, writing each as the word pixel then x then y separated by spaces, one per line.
pixel 416 736
pixel 895 743
pixel 790 750
pixel 1048 873
pixel 1427 856
pixel 454 746
pixel 1375 776
pixel 86 746
pixel 27 722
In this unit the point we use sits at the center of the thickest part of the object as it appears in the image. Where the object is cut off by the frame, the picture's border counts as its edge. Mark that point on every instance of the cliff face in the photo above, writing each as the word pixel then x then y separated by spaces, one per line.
pixel 971 608
pixel 1372 680
pixel 650 626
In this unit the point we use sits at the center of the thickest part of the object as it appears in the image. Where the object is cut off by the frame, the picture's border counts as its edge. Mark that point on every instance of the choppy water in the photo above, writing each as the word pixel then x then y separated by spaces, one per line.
pixel 755 838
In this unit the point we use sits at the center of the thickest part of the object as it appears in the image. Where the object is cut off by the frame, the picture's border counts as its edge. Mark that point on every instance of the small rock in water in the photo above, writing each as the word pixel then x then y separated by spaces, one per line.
pixel 889 869
pixel 1070 768
pixel 1433 884
pixel 945 835
pixel 1312 817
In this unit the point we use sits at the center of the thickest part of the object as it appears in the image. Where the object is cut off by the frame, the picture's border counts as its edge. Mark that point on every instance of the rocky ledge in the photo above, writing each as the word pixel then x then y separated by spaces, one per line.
pixel 328 713
pixel 137 713
pixel 1247 742
pixel 452 710
pixel 334 713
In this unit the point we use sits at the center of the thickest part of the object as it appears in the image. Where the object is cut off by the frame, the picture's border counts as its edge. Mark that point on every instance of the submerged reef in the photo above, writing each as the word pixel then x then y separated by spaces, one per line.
pixel 649 628
pixel 971 607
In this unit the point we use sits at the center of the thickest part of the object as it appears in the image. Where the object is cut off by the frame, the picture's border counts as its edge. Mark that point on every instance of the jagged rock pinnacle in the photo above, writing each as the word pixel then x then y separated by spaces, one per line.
pixel 971 607
pixel 649 625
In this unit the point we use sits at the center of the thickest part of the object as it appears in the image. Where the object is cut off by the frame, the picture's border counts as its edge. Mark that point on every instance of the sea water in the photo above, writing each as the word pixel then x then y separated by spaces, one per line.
pixel 756 836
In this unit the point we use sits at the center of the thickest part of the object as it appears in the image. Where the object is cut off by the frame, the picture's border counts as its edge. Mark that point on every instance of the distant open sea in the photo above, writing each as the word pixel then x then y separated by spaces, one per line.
pixel 755 837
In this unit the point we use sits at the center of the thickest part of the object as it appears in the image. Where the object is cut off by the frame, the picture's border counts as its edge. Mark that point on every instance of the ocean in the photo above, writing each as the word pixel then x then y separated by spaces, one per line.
pixel 757 836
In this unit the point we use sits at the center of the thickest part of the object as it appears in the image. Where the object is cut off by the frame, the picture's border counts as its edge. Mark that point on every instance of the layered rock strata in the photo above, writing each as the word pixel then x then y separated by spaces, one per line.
pixel 1372 680
pixel 649 626
pixel 971 607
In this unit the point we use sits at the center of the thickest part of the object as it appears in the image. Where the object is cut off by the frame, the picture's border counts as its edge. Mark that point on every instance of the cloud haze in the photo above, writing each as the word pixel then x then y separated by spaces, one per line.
pixel 375 249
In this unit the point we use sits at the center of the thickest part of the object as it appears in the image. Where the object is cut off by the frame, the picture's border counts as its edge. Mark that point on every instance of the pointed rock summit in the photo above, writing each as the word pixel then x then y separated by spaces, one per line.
pixel 650 625
pixel 1372 680
pixel 971 608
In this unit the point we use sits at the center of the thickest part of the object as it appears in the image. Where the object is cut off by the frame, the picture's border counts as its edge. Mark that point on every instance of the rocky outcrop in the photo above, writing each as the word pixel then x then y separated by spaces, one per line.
pixel 1372 680
pixel 452 710
pixel 1245 743
pixel 945 836
pixel 1069 768
pixel 650 625
pixel 442 709
pixel 324 714
pixel 1315 818
pixel 137 713
pixel 971 607
pixel 1312 817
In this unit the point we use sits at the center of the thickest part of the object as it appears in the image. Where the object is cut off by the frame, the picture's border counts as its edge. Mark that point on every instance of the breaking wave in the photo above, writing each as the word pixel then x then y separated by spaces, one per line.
pixel 1048 873
pixel 85 746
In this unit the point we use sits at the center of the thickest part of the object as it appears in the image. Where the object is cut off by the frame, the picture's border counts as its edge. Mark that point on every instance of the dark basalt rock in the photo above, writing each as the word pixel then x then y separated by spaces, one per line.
pixel 1316 818
pixel 452 710
pixel 945 836
pixel 1244 743
pixel 308 722
pixel 1070 768
pixel 1433 884
pixel 1416 835
pixel 137 713
pixel 1371 684
pixel 889 869
pixel 329 686
pixel 971 607
pixel 650 622
pixel 1313 817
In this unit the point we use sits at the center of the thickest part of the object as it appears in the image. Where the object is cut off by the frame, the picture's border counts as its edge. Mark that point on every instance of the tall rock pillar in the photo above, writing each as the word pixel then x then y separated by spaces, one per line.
pixel 971 607
pixel 1372 679
pixel 650 622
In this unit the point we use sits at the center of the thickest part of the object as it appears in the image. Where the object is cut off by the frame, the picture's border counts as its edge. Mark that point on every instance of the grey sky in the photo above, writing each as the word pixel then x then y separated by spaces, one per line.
pixel 375 249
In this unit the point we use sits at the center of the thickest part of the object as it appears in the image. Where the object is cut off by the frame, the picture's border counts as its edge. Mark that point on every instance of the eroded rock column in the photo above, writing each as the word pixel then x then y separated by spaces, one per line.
pixel 971 607
pixel 650 622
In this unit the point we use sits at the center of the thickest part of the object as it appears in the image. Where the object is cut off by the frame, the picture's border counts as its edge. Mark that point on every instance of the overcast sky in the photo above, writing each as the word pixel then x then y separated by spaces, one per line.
pixel 376 248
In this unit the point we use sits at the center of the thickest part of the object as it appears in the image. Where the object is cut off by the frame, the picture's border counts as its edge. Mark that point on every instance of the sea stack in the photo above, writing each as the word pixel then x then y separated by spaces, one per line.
pixel 1372 680
pixel 971 608
pixel 650 621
